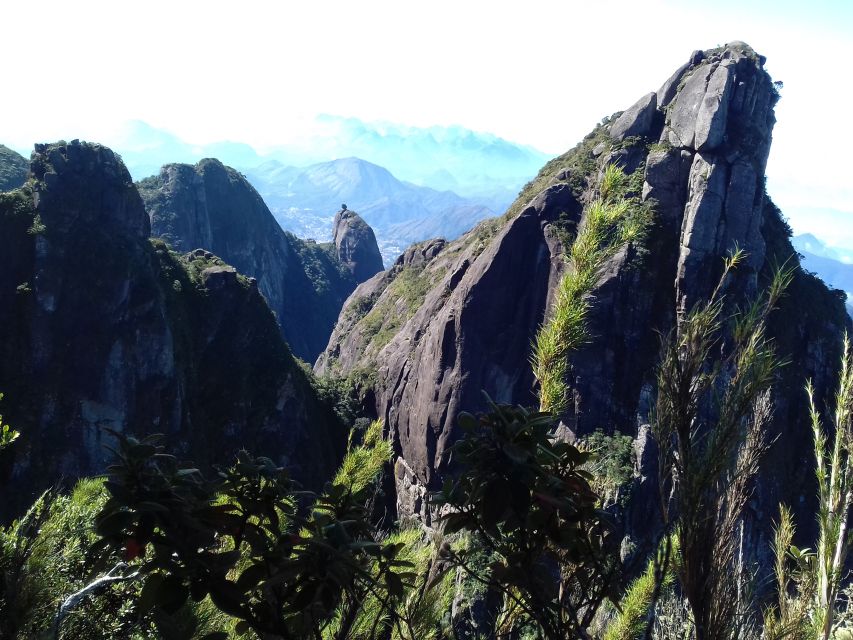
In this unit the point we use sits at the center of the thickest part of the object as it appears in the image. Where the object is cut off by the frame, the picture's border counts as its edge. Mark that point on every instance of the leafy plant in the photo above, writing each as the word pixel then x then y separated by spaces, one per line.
pixel 611 465
pixel 285 563
pixel 816 576
pixel 45 556
pixel 7 434
pixel 635 612
pixel 528 500
pixel 791 617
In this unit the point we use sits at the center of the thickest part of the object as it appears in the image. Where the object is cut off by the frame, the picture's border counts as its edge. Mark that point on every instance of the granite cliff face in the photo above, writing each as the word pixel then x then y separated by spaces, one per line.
pixel 454 319
pixel 356 246
pixel 103 327
pixel 13 169
pixel 213 207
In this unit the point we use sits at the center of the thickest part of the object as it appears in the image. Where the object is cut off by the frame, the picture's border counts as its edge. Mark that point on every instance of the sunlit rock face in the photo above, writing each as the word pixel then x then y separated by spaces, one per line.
pixel 356 246
pixel 698 148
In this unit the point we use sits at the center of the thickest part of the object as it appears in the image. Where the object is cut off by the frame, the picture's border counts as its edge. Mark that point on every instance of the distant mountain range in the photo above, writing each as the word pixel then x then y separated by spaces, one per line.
pixel 304 200
pixel 807 243
pixel 408 183
pixel 833 265
pixel 470 163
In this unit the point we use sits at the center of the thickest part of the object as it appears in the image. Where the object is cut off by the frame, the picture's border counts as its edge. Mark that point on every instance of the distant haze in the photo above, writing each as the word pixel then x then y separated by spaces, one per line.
pixel 537 73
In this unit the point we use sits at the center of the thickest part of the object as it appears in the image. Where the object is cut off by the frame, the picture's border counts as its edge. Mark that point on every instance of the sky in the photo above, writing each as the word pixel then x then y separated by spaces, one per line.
pixel 538 72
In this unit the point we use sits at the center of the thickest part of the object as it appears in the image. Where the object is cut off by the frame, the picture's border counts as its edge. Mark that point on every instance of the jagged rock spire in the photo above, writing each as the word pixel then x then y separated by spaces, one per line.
pixel 356 245
pixel 463 320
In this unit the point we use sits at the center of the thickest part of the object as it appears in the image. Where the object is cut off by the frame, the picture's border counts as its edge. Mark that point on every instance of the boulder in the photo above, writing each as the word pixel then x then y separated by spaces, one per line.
pixel 638 120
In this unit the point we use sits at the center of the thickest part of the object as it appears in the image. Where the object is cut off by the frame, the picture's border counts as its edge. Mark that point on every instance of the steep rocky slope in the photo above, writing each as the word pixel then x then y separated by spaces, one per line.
pixel 104 328
pixel 213 207
pixel 13 169
pixel 450 320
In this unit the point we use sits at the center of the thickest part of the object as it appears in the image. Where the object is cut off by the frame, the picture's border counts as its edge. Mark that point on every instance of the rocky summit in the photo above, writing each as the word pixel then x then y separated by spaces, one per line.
pixel 213 207
pixel 451 320
pixel 105 329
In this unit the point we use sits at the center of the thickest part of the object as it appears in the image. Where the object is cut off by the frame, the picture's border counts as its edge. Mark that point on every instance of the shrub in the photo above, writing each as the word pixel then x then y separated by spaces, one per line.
pixel 526 497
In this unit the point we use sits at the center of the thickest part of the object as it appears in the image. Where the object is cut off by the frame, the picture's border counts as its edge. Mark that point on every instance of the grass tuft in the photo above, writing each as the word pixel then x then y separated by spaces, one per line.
pixel 609 223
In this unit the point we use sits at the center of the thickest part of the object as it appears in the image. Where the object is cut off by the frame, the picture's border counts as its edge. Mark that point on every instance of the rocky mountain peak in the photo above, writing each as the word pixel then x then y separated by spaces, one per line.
pixel 694 151
pixel 213 207
pixel 713 121
pixel 356 245
pixel 85 185
pixel 106 328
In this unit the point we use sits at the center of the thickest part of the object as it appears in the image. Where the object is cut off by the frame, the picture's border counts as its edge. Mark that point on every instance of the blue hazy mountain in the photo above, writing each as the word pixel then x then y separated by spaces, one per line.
pixel 832 265
pixel 144 149
pixel 453 158
pixel 473 164
pixel 408 183
pixel 304 200
pixel 807 243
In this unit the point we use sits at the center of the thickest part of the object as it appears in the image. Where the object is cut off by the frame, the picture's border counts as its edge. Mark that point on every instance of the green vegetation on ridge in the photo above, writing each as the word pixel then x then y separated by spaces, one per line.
pixel 610 222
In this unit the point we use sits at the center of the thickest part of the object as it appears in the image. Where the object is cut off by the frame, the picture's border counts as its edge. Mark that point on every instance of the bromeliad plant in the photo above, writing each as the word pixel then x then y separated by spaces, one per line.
pixel 528 501
pixel 285 563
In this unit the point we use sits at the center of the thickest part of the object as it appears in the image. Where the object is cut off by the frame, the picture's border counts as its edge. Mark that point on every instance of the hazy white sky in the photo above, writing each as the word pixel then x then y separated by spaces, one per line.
pixel 538 72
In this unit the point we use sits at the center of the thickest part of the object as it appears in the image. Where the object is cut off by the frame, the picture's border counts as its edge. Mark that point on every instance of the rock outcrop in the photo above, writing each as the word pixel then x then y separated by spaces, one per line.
pixel 104 328
pixel 13 169
pixel 463 321
pixel 213 207
pixel 356 246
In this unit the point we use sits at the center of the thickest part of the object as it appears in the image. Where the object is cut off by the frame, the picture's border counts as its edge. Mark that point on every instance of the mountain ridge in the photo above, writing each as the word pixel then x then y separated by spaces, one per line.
pixel 400 213
pixel 415 153
pixel 105 328
pixel 697 147
pixel 211 206
pixel 13 169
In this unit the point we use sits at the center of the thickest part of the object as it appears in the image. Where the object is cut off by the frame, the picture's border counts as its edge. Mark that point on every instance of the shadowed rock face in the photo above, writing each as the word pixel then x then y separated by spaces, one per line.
pixel 356 245
pixel 213 207
pixel 698 147
pixel 103 328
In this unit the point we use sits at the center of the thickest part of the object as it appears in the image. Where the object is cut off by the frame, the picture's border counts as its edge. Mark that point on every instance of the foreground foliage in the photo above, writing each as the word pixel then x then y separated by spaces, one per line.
pixel 712 408
pixel 283 562
pixel 7 434
pixel 809 583
pixel 528 501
